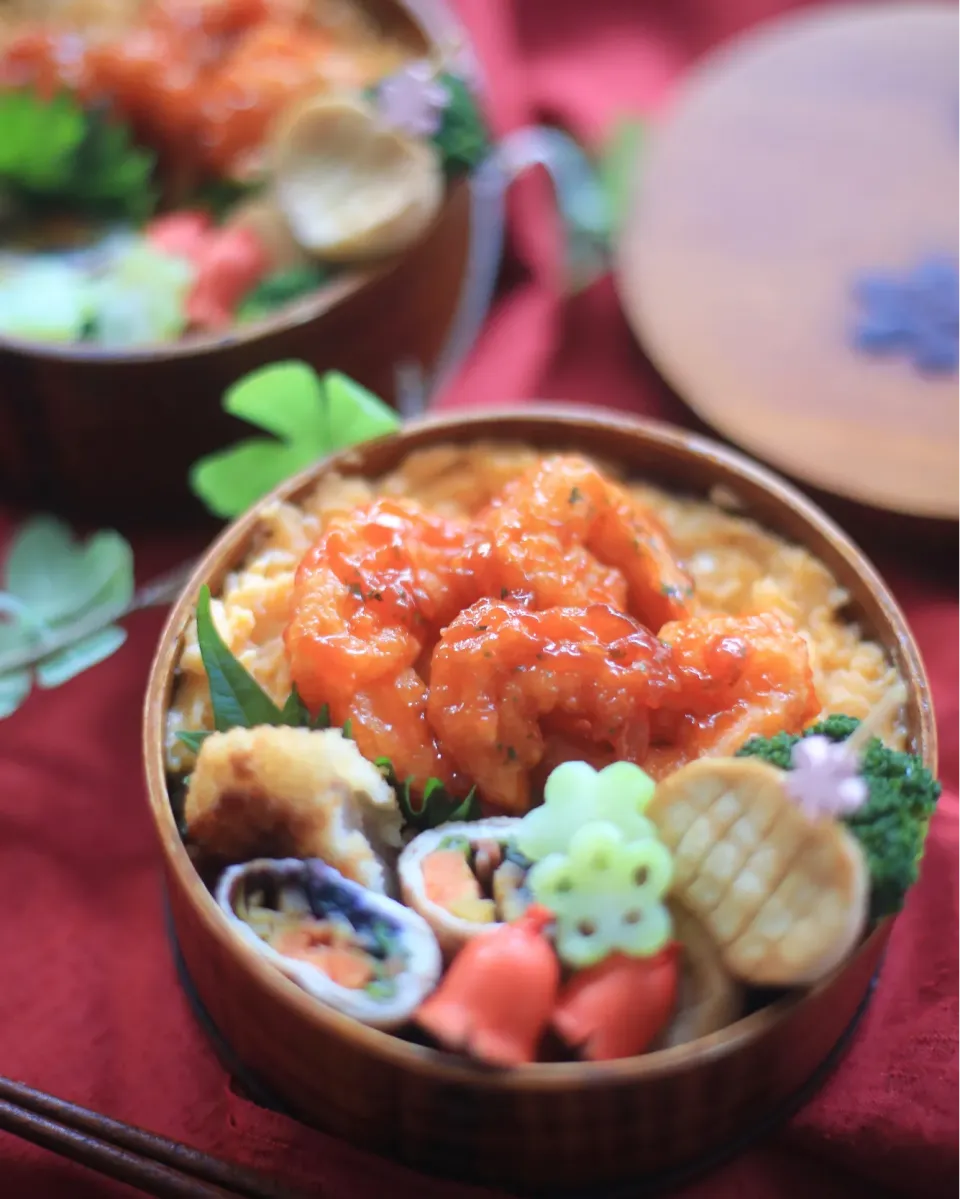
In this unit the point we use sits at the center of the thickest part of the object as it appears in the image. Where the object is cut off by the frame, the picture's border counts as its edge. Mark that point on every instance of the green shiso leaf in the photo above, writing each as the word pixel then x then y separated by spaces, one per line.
pixel 237 698
pixel 239 701
pixel 436 805
pixel 193 740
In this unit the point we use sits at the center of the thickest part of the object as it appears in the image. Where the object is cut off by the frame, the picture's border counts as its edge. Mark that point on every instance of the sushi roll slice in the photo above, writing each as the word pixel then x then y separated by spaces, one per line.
pixel 361 953
pixel 465 878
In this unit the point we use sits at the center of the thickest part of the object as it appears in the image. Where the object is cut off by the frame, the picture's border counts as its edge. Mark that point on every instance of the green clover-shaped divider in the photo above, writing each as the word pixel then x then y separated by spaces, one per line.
pixel 576 794
pixel 51 584
pixel 308 416
pixel 606 894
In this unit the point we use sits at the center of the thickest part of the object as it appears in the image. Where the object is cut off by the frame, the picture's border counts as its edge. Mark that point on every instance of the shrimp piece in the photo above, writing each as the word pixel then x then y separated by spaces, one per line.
pixel 573 537
pixel 741 677
pixel 500 672
pixel 371 593
pixel 368 602
pixel 389 720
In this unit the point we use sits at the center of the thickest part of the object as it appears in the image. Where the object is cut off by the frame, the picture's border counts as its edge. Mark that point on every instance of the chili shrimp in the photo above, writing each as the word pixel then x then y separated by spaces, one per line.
pixel 741 677
pixel 572 537
pixel 388 720
pixel 369 599
pixel 505 677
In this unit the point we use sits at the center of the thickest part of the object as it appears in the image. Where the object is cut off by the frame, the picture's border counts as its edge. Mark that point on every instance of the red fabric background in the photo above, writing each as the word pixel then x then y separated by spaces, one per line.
pixel 89 1004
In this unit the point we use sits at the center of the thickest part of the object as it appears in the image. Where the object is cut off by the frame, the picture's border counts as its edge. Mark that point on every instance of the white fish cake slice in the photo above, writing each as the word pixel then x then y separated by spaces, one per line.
pixel 734 909
pixel 783 895
pixel 825 918
pixel 680 817
pixel 717 810
pixel 705 849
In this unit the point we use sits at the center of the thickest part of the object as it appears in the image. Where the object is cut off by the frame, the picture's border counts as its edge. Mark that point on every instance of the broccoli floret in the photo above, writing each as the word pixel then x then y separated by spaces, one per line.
pixel 892 825
pixel 280 288
pixel 462 137
pixel 777 750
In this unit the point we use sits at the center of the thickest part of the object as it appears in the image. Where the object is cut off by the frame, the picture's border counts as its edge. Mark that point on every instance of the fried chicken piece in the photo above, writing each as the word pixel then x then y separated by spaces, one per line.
pixel 288 792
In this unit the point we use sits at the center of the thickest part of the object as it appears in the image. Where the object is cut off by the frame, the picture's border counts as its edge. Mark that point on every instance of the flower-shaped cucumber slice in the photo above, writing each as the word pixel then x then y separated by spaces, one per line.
pixel 606 894
pixel 575 794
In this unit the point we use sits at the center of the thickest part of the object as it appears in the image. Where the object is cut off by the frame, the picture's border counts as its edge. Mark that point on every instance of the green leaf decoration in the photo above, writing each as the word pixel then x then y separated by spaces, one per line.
pixel 294 712
pixel 353 414
pixel 239 701
pixel 237 698
pixel 40 140
pixel 193 740
pixel 462 138
pixel 56 152
pixel 110 173
pixel 617 166
pixel 58 579
pixel 280 289
pixel 89 651
pixel 436 805
pixel 309 418
pixel 220 196
pixel 54 588
pixel 285 399
pixel 230 481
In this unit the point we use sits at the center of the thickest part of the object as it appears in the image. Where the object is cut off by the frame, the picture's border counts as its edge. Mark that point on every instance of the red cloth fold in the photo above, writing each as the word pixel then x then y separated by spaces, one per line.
pixel 90 1008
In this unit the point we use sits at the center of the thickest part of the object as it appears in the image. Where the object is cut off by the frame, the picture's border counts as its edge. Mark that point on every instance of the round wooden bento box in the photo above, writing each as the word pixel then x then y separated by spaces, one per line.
pixel 104 434
pixel 552 1126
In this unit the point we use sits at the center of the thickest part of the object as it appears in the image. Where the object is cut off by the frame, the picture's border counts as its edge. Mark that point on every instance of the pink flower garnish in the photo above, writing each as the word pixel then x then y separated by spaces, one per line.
pixel 413 101
pixel 825 779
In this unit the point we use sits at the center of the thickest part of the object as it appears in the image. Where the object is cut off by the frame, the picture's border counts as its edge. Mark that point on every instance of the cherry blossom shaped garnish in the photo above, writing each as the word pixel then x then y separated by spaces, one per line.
pixel 825 779
pixel 412 100
pixel 914 313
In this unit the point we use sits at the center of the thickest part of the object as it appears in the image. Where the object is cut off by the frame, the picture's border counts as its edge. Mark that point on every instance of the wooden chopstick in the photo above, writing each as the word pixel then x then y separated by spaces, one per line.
pixel 141 1159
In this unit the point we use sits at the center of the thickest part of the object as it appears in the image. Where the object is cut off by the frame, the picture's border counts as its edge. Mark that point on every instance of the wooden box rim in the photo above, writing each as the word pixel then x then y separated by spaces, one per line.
pixel 495 424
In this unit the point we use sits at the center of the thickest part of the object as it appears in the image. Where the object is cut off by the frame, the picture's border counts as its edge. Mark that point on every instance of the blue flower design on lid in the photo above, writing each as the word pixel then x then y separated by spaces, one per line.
pixel 916 314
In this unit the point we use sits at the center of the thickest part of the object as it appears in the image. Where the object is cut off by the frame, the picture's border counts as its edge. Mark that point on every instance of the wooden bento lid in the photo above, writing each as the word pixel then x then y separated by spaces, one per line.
pixel 789 256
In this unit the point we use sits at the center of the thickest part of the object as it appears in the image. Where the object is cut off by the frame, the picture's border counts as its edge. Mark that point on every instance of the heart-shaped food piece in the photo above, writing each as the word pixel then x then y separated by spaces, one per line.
pixel 349 188
pixel 783 894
